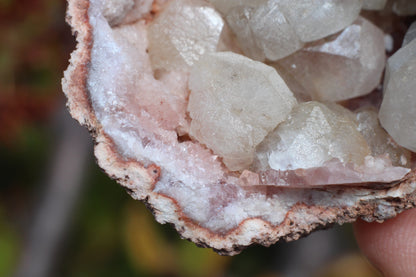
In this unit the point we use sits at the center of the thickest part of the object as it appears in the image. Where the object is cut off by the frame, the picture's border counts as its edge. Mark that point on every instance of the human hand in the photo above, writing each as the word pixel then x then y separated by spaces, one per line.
pixel 390 246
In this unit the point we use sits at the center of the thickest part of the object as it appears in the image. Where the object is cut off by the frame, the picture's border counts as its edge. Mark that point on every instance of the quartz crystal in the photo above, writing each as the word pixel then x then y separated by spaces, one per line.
pixel 377 138
pixel 234 103
pixel 404 7
pixel 398 109
pixel 182 32
pixel 342 66
pixel 374 4
pixel 312 135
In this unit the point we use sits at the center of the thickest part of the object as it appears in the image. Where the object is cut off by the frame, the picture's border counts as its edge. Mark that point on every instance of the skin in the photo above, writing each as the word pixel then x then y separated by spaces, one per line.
pixel 390 246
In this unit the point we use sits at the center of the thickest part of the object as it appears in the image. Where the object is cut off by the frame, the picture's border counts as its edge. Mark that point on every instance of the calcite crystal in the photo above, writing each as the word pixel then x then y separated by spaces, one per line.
pixel 148 79
pixel 182 32
pixel 312 135
pixel 234 103
pixel 263 31
pixel 378 140
pixel 329 70
pixel 398 109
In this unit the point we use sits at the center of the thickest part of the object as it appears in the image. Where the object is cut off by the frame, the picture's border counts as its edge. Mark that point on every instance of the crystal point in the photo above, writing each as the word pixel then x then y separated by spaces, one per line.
pixel 312 135
pixel 183 32
pixel 234 103
pixel 342 66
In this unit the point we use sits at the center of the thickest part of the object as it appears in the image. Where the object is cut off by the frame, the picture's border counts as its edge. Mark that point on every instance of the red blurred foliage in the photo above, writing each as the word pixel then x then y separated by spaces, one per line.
pixel 35 44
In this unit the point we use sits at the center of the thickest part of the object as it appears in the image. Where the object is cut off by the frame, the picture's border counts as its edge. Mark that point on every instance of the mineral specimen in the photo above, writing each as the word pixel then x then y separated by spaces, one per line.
pixel 398 109
pixel 339 67
pixel 128 83
pixel 234 103
pixel 182 32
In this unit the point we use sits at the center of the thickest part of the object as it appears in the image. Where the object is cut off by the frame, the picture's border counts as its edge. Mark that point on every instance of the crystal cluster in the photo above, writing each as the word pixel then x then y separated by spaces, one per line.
pixel 275 29
pixel 234 103
pixel 275 109
pixel 339 67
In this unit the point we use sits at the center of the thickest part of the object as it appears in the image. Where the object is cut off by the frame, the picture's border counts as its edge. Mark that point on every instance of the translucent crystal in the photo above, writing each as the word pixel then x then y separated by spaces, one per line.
pixel 339 67
pixel 410 34
pixel 234 103
pixel 377 138
pixel 312 135
pixel 374 4
pixel 398 109
pixel 182 32
pixel 226 6
pixel 317 19
pixel 404 7
pixel 263 31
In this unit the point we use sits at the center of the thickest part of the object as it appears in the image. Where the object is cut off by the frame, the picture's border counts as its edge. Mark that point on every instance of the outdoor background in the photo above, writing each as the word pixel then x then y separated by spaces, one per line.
pixel 61 216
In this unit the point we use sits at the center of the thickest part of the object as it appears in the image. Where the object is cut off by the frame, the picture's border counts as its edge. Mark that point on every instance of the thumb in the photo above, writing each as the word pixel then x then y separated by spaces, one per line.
pixel 390 246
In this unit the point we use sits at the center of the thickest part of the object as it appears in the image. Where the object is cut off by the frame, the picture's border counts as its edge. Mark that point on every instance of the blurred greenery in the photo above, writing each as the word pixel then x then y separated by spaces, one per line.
pixel 110 233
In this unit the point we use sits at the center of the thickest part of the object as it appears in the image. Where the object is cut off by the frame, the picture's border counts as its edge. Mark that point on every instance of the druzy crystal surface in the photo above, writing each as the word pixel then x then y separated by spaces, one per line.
pixel 182 32
pixel 234 103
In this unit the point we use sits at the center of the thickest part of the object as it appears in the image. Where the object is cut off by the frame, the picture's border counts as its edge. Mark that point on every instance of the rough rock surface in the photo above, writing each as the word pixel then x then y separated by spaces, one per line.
pixel 251 215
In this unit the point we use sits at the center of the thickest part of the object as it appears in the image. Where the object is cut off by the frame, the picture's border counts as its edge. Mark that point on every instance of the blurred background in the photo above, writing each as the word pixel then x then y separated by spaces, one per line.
pixel 61 216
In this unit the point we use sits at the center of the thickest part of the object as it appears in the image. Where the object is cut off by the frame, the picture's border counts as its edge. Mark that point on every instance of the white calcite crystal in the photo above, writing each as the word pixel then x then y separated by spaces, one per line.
pixel 339 67
pixel 374 4
pixel 381 144
pixel 115 12
pixel 276 29
pixel 263 31
pixel 234 103
pixel 398 109
pixel 182 32
pixel 317 19
pixel 224 7
pixel 312 135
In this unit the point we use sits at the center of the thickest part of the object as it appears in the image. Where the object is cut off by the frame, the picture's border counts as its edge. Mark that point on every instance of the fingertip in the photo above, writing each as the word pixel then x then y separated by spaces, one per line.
pixel 390 246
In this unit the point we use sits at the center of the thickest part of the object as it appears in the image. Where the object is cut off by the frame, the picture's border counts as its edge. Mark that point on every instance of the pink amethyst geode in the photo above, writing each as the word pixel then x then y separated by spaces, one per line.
pixel 136 108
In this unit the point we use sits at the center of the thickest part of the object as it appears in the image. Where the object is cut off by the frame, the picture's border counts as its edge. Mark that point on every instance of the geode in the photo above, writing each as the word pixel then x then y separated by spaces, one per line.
pixel 147 97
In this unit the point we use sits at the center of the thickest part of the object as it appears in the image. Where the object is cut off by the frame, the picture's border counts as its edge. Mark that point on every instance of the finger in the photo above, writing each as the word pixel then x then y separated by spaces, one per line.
pixel 390 246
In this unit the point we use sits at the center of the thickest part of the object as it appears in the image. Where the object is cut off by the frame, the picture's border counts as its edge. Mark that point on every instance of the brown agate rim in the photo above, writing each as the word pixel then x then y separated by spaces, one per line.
pixel 299 221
